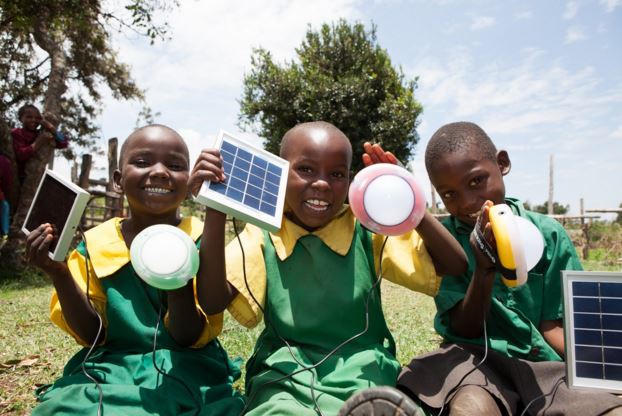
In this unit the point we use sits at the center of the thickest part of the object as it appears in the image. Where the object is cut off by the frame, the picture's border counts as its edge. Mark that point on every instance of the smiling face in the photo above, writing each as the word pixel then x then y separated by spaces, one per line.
pixel 319 173
pixel 154 173
pixel 465 180
pixel 31 118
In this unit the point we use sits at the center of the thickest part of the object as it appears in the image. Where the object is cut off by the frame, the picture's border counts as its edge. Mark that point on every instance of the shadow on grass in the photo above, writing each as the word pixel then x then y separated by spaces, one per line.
pixel 22 279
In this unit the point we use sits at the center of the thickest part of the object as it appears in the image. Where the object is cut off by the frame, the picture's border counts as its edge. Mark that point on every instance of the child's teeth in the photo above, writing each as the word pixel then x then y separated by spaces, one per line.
pixel 158 190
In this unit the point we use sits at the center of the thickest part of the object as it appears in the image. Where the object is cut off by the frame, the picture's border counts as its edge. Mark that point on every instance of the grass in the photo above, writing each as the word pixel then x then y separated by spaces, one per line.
pixel 33 351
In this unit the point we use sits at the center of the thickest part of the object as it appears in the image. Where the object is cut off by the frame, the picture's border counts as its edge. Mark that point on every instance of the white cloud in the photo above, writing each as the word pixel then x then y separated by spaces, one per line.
pixel 571 10
pixel 482 22
pixel 574 34
pixel 610 5
pixel 211 42
pixel 617 133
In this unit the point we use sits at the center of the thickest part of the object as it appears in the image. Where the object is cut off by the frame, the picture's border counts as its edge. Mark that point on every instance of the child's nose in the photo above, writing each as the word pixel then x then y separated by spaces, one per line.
pixel 160 170
pixel 321 184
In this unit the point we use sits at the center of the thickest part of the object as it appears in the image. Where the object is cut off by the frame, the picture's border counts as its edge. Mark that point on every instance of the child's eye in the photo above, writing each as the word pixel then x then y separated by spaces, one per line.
pixel 476 181
pixel 140 163
pixel 304 169
pixel 177 167
pixel 448 195
pixel 339 175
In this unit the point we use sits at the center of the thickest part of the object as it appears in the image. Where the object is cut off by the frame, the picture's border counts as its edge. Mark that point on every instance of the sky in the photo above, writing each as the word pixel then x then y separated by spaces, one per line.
pixel 542 78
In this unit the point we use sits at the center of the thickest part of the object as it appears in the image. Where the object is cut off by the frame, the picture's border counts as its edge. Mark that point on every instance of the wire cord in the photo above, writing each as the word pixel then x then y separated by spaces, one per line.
pixel 304 368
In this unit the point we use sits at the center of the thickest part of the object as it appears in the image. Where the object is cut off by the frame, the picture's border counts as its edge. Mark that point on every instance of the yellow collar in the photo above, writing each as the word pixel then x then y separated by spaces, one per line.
pixel 337 234
pixel 107 249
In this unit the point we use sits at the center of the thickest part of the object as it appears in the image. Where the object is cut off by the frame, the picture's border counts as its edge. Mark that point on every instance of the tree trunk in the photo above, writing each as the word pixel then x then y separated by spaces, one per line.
pixel 51 41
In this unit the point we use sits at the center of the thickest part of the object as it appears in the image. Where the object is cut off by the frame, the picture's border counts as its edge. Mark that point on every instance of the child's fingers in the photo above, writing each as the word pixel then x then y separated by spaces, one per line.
pixel 367 160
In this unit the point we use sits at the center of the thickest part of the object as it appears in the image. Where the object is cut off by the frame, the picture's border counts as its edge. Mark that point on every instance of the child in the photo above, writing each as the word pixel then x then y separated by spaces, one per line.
pixel 6 182
pixel 522 326
pixel 193 374
pixel 28 139
pixel 325 335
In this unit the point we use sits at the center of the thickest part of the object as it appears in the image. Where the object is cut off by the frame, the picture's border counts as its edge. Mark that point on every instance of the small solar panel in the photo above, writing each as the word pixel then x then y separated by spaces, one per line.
pixel 254 189
pixel 593 329
pixel 60 203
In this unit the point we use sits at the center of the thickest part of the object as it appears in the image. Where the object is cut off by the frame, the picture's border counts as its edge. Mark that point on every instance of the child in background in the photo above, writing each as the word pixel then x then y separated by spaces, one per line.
pixel 6 182
pixel 28 139
pixel 524 328
pixel 153 174
pixel 315 281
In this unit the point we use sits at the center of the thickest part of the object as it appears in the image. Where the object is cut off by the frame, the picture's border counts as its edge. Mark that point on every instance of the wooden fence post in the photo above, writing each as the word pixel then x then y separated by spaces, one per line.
pixel 586 235
pixel 114 200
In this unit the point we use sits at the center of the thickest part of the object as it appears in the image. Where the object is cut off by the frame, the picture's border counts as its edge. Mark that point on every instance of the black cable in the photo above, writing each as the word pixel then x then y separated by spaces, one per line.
pixel 553 390
pixel 330 353
pixel 87 260
pixel 458 385
pixel 153 355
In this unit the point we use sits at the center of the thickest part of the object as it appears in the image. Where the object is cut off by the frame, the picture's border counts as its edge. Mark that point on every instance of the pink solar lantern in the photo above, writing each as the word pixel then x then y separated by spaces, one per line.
pixel 386 199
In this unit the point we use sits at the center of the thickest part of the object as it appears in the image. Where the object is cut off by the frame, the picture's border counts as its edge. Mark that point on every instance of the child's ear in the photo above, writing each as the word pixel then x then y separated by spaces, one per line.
pixel 116 181
pixel 503 160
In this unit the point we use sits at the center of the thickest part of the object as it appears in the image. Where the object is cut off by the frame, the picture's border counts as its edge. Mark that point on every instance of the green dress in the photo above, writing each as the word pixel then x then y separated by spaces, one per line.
pixel 197 381
pixel 316 300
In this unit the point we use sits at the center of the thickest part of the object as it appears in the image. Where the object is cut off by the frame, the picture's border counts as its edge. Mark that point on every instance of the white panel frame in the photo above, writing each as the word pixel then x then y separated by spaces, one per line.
pixel 80 201
pixel 574 381
pixel 217 201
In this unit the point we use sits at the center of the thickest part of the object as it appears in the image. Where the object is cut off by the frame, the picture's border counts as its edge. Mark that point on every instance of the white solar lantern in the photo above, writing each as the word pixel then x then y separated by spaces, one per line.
pixel 386 199
pixel 593 330
pixel 60 203
pixel 164 256
pixel 254 189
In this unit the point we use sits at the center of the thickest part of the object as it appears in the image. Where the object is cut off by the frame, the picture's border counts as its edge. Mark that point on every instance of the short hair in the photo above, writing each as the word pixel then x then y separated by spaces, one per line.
pixel 329 127
pixel 22 110
pixel 138 130
pixel 459 136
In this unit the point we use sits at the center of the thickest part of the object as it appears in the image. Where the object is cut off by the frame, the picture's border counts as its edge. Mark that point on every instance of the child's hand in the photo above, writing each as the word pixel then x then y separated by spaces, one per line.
pixel 47 125
pixel 374 154
pixel 37 247
pixel 483 243
pixel 208 167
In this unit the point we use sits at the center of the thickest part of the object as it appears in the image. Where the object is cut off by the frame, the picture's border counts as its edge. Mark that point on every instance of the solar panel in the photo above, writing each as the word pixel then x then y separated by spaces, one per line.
pixel 60 203
pixel 593 329
pixel 254 189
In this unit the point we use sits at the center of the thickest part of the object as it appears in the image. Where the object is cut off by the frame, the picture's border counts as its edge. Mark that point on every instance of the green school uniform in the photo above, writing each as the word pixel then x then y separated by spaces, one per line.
pixel 192 381
pixel 313 287
pixel 515 313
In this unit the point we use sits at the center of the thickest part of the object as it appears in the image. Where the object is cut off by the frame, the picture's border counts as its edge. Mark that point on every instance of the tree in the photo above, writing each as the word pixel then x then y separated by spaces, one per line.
pixel 342 76
pixel 59 53
pixel 558 209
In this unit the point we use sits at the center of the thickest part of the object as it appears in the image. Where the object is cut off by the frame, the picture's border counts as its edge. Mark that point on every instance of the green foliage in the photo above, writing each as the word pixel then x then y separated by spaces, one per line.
pixel 558 209
pixel 342 76
pixel 619 217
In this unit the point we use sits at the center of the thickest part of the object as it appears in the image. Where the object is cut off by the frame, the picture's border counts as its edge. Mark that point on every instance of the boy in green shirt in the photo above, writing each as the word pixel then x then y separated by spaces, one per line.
pixel 523 370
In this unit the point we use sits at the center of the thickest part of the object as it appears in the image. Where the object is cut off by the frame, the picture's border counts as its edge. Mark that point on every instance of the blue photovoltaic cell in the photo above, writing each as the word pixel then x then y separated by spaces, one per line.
pixel 250 179
pixel 597 317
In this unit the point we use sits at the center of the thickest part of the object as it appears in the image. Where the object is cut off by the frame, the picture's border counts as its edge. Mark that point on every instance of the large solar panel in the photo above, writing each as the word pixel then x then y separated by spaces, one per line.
pixel 60 203
pixel 254 189
pixel 593 329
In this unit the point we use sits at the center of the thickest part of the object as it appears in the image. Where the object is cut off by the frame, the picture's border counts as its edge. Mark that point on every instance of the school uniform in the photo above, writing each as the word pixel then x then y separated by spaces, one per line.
pixel 521 365
pixel 198 378
pixel 313 287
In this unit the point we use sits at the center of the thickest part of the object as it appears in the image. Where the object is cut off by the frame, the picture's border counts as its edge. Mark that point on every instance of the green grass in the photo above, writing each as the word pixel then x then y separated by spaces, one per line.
pixel 33 351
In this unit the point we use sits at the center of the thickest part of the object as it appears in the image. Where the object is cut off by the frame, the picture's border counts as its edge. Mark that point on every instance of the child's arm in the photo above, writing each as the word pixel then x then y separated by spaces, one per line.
pixel 213 290
pixel 77 311
pixel 467 317
pixel 185 322
pixel 553 333
pixel 445 251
